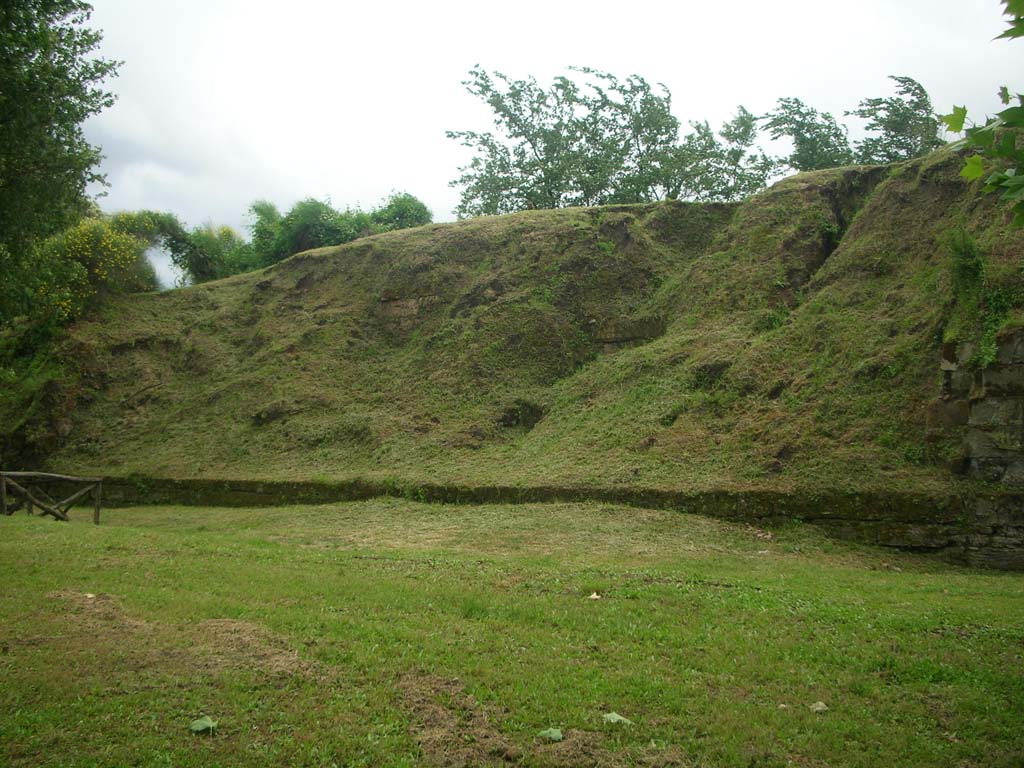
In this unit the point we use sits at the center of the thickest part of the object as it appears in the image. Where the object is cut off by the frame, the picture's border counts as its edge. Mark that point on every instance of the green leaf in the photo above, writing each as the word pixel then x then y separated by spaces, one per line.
pixel 1013 187
pixel 1014 195
pixel 994 182
pixel 974 168
pixel 1013 116
pixel 1007 146
pixel 955 120
pixel 1016 30
pixel 203 725
pixel 616 719
pixel 983 137
pixel 1004 95
pixel 1013 7
pixel 551 734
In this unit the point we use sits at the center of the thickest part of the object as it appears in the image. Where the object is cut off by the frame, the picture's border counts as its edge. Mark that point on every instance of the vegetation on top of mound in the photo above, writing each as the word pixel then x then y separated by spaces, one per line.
pixel 308 224
pixel 594 139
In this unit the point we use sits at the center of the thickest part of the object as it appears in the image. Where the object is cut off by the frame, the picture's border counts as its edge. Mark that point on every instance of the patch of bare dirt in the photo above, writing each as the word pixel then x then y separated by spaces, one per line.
pixel 577 748
pixel 452 728
pixel 210 647
pixel 585 748
pixel 98 613
pixel 233 644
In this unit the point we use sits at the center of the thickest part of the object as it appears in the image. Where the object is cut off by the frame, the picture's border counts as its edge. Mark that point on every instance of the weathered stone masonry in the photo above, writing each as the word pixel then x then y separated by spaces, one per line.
pixel 990 402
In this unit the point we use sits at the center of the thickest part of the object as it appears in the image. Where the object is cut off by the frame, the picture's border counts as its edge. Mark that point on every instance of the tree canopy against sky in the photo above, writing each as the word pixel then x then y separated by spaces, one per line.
pixel 593 139
pixel 819 141
pixel 51 83
pixel 904 125
pixel 596 141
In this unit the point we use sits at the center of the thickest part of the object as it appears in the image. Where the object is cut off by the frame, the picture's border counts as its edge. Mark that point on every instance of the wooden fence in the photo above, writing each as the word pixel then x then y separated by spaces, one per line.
pixel 26 489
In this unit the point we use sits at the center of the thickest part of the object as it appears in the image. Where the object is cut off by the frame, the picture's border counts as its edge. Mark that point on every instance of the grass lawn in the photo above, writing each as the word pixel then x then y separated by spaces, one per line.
pixel 394 633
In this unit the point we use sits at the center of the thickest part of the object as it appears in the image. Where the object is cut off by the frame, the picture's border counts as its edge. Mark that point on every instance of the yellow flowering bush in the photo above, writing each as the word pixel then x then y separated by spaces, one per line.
pixel 87 260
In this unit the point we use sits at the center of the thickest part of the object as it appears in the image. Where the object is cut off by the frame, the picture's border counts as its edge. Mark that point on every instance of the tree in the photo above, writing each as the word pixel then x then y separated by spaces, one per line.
pixel 264 229
pixel 49 85
pixel 998 143
pixel 603 140
pixel 217 252
pixel 906 124
pixel 540 152
pixel 819 141
pixel 634 132
pixel 706 167
pixel 313 223
pixel 606 140
pixel 400 211
pixel 310 223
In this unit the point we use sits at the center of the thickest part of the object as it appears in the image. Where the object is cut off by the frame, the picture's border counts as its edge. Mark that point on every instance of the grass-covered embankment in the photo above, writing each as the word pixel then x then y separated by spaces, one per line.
pixel 791 342
pixel 392 633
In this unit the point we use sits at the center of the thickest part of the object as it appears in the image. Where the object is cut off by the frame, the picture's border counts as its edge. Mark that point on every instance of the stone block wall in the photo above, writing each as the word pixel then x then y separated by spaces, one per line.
pixel 990 403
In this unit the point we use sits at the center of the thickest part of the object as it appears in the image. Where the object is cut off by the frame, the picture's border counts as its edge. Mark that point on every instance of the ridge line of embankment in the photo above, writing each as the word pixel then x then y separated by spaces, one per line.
pixel 977 528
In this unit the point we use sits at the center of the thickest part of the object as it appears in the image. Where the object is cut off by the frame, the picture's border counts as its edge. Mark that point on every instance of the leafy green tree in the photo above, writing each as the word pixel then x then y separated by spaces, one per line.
pixel 314 224
pixel 540 148
pixel 607 140
pixel 819 141
pixel 632 129
pixel 400 211
pixel 723 167
pixel 604 140
pixel 223 252
pixel 264 229
pixel 906 124
pixel 49 85
pixel 310 223
pixel 999 143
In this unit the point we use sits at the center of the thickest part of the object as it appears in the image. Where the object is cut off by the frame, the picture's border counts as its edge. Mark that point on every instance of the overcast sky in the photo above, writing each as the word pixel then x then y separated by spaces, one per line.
pixel 221 102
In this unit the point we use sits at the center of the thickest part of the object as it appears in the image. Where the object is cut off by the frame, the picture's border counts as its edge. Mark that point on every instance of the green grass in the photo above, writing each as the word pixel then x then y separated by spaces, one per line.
pixel 392 633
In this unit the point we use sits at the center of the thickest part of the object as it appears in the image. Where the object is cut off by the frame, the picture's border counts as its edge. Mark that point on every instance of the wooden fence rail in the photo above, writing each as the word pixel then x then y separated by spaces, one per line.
pixel 19 489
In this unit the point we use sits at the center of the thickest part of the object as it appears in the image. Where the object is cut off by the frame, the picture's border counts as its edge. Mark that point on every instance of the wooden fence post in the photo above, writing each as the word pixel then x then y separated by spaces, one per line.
pixel 3 494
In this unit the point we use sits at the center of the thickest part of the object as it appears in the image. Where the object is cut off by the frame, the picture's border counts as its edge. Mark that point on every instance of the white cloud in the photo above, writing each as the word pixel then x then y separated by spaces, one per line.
pixel 225 102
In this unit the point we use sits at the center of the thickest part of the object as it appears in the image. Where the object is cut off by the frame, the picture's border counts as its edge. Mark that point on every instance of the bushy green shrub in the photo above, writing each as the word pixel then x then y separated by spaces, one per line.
pixel 401 211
